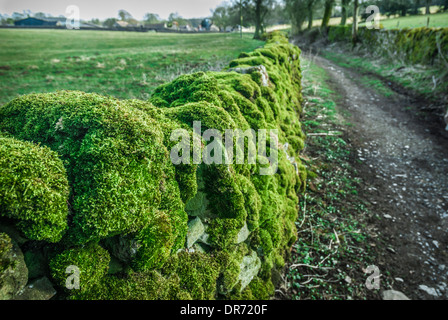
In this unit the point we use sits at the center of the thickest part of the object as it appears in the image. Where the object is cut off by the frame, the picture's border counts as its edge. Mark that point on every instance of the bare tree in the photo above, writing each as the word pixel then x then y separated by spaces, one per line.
pixel 428 5
pixel 344 11
pixel 261 9
pixel 329 4
pixel 355 21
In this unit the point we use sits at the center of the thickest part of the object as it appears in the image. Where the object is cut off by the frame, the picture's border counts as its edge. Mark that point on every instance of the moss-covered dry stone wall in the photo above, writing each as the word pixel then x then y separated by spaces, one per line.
pixel 416 45
pixel 90 188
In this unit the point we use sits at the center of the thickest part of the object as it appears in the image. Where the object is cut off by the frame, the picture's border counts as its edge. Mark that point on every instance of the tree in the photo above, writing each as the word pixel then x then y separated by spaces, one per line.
pixel 109 22
pixel 310 10
pixel 124 15
pixel 428 4
pixel 220 17
pixel 261 9
pixel 152 18
pixel 40 15
pixel 298 13
pixel 329 4
pixel 355 21
pixel 344 11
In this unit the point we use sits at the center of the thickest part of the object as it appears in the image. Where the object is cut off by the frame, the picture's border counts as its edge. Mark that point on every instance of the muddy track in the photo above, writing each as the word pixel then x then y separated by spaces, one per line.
pixel 403 161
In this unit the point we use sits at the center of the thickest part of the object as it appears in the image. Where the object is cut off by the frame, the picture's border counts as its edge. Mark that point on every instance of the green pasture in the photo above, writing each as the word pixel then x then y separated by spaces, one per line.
pixel 121 64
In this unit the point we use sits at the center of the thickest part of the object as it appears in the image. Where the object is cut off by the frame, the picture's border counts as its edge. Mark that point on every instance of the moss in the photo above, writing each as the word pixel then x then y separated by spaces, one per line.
pixel 197 273
pixel 33 189
pixel 113 155
pixel 124 186
pixel 5 248
pixel 416 45
pixel 150 285
pixel 262 290
pixel 229 263
pixel 92 262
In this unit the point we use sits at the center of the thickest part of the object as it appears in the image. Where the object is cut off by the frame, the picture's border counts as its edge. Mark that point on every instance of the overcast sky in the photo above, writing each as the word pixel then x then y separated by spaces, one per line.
pixel 103 9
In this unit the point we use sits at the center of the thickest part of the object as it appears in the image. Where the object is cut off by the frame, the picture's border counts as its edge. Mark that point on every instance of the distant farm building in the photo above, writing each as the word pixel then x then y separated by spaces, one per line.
pixel 121 24
pixel 60 22
pixel 41 22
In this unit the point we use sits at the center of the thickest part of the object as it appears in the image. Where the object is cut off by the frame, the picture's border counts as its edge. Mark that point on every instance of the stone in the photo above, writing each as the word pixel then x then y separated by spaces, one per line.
pixel 243 234
pixel 9 228
pixel 39 289
pixel 124 248
pixel 195 230
pixel 13 270
pixel 36 263
pixel 197 206
pixel 264 77
pixel 429 290
pixel 249 267
pixel 394 295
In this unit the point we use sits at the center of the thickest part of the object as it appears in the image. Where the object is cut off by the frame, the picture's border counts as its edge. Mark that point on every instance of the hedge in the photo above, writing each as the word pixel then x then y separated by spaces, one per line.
pixel 416 45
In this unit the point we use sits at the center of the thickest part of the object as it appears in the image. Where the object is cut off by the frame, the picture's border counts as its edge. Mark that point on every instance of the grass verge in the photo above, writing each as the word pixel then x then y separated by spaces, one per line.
pixel 335 248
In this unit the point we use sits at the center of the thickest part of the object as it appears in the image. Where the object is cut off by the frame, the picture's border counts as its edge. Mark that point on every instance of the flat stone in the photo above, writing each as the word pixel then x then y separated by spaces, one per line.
pixel 249 267
pixel 259 69
pixel 394 295
pixel 243 234
pixel 14 274
pixel 39 289
pixel 429 290
pixel 195 230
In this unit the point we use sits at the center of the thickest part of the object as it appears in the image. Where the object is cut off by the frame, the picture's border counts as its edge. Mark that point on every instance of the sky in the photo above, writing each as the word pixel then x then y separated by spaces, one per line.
pixel 103 9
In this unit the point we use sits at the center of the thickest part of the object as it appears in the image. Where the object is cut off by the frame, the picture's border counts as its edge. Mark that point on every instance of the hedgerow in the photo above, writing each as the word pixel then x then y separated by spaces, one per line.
pixel 413 45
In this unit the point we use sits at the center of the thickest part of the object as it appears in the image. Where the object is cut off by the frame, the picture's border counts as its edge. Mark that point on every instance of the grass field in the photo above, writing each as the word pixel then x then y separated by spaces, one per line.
pixel 121 64
pixel 437 20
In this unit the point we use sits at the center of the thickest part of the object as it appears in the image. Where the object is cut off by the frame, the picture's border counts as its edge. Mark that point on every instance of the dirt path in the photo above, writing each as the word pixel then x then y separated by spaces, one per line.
pixel 404 166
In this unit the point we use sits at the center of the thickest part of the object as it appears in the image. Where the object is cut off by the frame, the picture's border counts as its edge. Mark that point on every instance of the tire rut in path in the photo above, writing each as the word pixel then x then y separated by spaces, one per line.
pixel 405 179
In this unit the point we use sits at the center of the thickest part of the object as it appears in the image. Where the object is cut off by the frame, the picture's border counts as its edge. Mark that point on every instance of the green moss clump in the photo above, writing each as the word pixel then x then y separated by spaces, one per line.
pixel 154 243
pixel 197 273
pixel 150 285
pixel 127 196
pixel 92 261
pixel 33 189
pixel 114 155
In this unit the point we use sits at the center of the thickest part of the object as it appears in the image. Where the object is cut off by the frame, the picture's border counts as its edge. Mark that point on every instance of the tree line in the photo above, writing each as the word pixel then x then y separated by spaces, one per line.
pixel 302 13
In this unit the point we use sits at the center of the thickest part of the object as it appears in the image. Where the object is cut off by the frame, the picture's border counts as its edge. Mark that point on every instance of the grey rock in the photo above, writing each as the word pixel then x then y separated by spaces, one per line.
pixel 394 295
pixel 195 230
pixel 429 290
pixel 12 232
pixel 13 272
pixel 250 265
pixel 243 234
pixel 39 289
pixel 124 248
pixel 197 206
pixel 264 77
